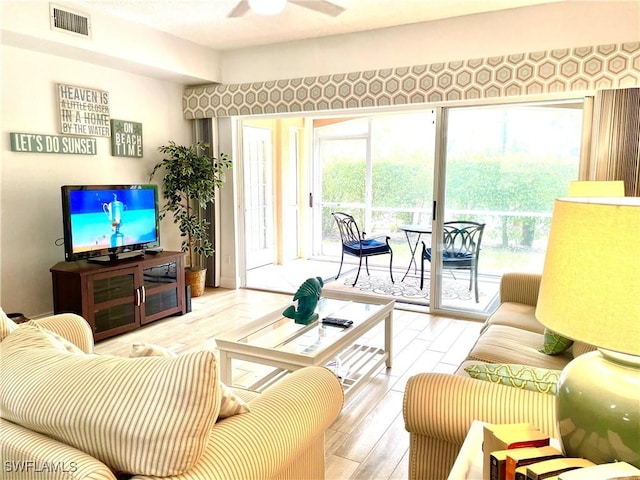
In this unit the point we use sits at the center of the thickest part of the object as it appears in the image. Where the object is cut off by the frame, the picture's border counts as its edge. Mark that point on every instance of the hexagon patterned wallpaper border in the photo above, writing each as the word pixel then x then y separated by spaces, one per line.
pixel 580 69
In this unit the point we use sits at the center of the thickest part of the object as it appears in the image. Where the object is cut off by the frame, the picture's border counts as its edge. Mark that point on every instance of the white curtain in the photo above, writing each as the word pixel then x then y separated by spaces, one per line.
pixel 204 132
pixel 615 139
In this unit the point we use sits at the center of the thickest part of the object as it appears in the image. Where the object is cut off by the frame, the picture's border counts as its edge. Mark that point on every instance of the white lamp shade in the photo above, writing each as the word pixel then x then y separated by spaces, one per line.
pixel 267 7
pixel 597 188
pixel 590 288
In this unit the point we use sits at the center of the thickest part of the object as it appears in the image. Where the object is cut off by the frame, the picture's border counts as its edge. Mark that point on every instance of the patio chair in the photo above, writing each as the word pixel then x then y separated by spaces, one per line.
pixel 460 250
pixel 354 243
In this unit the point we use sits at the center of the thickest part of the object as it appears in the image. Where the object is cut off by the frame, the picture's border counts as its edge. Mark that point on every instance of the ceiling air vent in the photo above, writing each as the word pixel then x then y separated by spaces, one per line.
pixel 67 20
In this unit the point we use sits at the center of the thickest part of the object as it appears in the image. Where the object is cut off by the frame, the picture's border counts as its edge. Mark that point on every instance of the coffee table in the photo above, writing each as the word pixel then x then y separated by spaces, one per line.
pixel 279 342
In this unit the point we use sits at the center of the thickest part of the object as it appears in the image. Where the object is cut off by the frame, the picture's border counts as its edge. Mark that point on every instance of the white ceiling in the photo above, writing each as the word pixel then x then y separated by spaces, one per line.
pixel 205 21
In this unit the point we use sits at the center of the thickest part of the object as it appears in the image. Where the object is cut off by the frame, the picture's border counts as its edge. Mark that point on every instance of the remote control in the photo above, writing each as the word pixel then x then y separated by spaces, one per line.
pixel 338 322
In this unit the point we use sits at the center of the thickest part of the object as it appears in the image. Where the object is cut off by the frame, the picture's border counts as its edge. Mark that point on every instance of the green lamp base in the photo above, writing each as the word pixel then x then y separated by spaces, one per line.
pixel 598 407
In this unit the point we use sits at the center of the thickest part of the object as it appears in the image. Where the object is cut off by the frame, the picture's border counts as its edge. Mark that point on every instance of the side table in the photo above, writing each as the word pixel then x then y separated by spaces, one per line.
pixel 468 464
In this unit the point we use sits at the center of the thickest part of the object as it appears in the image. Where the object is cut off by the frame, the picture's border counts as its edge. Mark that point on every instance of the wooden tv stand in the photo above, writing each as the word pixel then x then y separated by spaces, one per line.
pixel 120 296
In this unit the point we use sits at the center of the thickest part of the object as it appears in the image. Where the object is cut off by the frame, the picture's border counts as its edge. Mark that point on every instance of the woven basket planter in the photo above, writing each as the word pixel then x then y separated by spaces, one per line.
pixel 195 278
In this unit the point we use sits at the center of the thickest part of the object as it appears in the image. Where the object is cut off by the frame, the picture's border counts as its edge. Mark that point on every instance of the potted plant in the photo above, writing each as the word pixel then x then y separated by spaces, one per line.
pixel 190 180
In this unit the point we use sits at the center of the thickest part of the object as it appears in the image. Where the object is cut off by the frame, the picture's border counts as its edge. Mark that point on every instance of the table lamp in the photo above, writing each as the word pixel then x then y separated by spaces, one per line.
pixel 590 292
pixel 596 188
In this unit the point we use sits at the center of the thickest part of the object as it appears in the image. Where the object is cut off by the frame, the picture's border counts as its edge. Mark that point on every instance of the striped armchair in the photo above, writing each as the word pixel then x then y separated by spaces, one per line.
pixel 281 437
pixel 439 408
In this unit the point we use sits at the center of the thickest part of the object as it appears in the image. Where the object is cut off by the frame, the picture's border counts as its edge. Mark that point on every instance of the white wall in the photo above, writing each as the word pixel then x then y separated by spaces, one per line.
pixel 30 218
pixel 522 30
pixel 114 43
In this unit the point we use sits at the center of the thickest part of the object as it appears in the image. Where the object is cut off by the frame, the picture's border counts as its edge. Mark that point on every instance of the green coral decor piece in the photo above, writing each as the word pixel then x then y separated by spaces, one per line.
pixel 307 296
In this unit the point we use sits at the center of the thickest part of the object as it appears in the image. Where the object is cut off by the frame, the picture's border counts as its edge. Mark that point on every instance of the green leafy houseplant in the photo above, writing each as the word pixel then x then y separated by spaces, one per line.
pixel 190 180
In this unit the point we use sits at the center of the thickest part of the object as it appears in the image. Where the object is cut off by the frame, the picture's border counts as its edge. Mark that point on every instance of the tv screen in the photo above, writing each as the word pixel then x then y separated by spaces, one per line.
pixel 109 222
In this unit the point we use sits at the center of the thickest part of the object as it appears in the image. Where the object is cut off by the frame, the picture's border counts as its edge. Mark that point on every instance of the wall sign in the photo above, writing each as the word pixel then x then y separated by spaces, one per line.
pixel 83 111
pixel 32 142
pixel 126 139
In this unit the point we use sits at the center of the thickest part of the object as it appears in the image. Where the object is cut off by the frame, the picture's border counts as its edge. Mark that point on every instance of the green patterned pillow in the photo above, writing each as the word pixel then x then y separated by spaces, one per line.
pixel 525 377
pixel 554 344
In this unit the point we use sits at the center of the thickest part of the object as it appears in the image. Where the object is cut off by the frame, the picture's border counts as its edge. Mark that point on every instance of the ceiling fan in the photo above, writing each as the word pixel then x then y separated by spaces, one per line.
pixel 321 6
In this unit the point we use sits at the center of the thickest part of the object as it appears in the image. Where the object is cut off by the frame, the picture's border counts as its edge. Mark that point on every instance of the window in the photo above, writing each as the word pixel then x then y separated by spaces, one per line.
pixel 503 166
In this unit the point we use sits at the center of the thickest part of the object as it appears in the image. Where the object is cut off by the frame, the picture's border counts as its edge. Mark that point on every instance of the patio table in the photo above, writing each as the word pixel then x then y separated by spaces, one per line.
pixel 417 231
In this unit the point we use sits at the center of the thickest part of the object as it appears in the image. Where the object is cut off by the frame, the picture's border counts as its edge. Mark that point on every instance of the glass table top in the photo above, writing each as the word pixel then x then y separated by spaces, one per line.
pixel 283 334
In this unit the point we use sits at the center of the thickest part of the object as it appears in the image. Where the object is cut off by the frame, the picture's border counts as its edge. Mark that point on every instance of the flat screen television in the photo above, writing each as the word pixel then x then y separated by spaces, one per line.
pixel 106 223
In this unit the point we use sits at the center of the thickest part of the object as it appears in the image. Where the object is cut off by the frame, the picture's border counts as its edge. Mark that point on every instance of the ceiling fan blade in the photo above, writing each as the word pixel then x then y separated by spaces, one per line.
pixel 322 6
pixel 240 9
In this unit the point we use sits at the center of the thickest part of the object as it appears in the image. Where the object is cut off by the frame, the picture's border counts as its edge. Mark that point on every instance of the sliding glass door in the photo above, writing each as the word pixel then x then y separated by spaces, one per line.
pixel 341 180
pixel 503 167
pixel 258 197
pixel 404 175
pixel 380 170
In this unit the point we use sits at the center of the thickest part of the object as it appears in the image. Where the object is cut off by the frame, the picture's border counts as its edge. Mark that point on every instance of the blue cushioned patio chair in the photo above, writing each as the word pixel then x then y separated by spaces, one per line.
pixel 354 243
pixel 460 250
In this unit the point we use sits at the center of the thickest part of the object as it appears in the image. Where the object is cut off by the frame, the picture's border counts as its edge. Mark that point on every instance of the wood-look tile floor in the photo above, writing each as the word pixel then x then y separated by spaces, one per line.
pixel 368 439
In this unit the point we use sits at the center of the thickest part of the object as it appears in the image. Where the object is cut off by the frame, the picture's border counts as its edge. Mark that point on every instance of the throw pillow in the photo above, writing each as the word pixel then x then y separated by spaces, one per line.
pixel 62 343
pixel 230 403
pixel 554 344
pixel 6 325
pixel 150 350
pixel 521 376
pixel 143 416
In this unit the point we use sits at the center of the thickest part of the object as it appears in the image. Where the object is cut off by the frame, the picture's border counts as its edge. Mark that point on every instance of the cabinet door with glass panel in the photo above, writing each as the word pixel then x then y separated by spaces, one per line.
pixel 114 301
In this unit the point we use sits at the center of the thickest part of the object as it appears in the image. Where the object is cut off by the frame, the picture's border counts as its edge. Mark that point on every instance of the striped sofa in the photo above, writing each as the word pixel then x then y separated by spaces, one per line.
pixel 160 418
pixel 439 408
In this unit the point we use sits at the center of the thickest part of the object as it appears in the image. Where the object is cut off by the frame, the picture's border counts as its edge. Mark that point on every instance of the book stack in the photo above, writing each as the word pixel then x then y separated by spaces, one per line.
pixel 618 470
pixel 552 468
pixel 522 452
pixel 500 438
pixel 517 459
